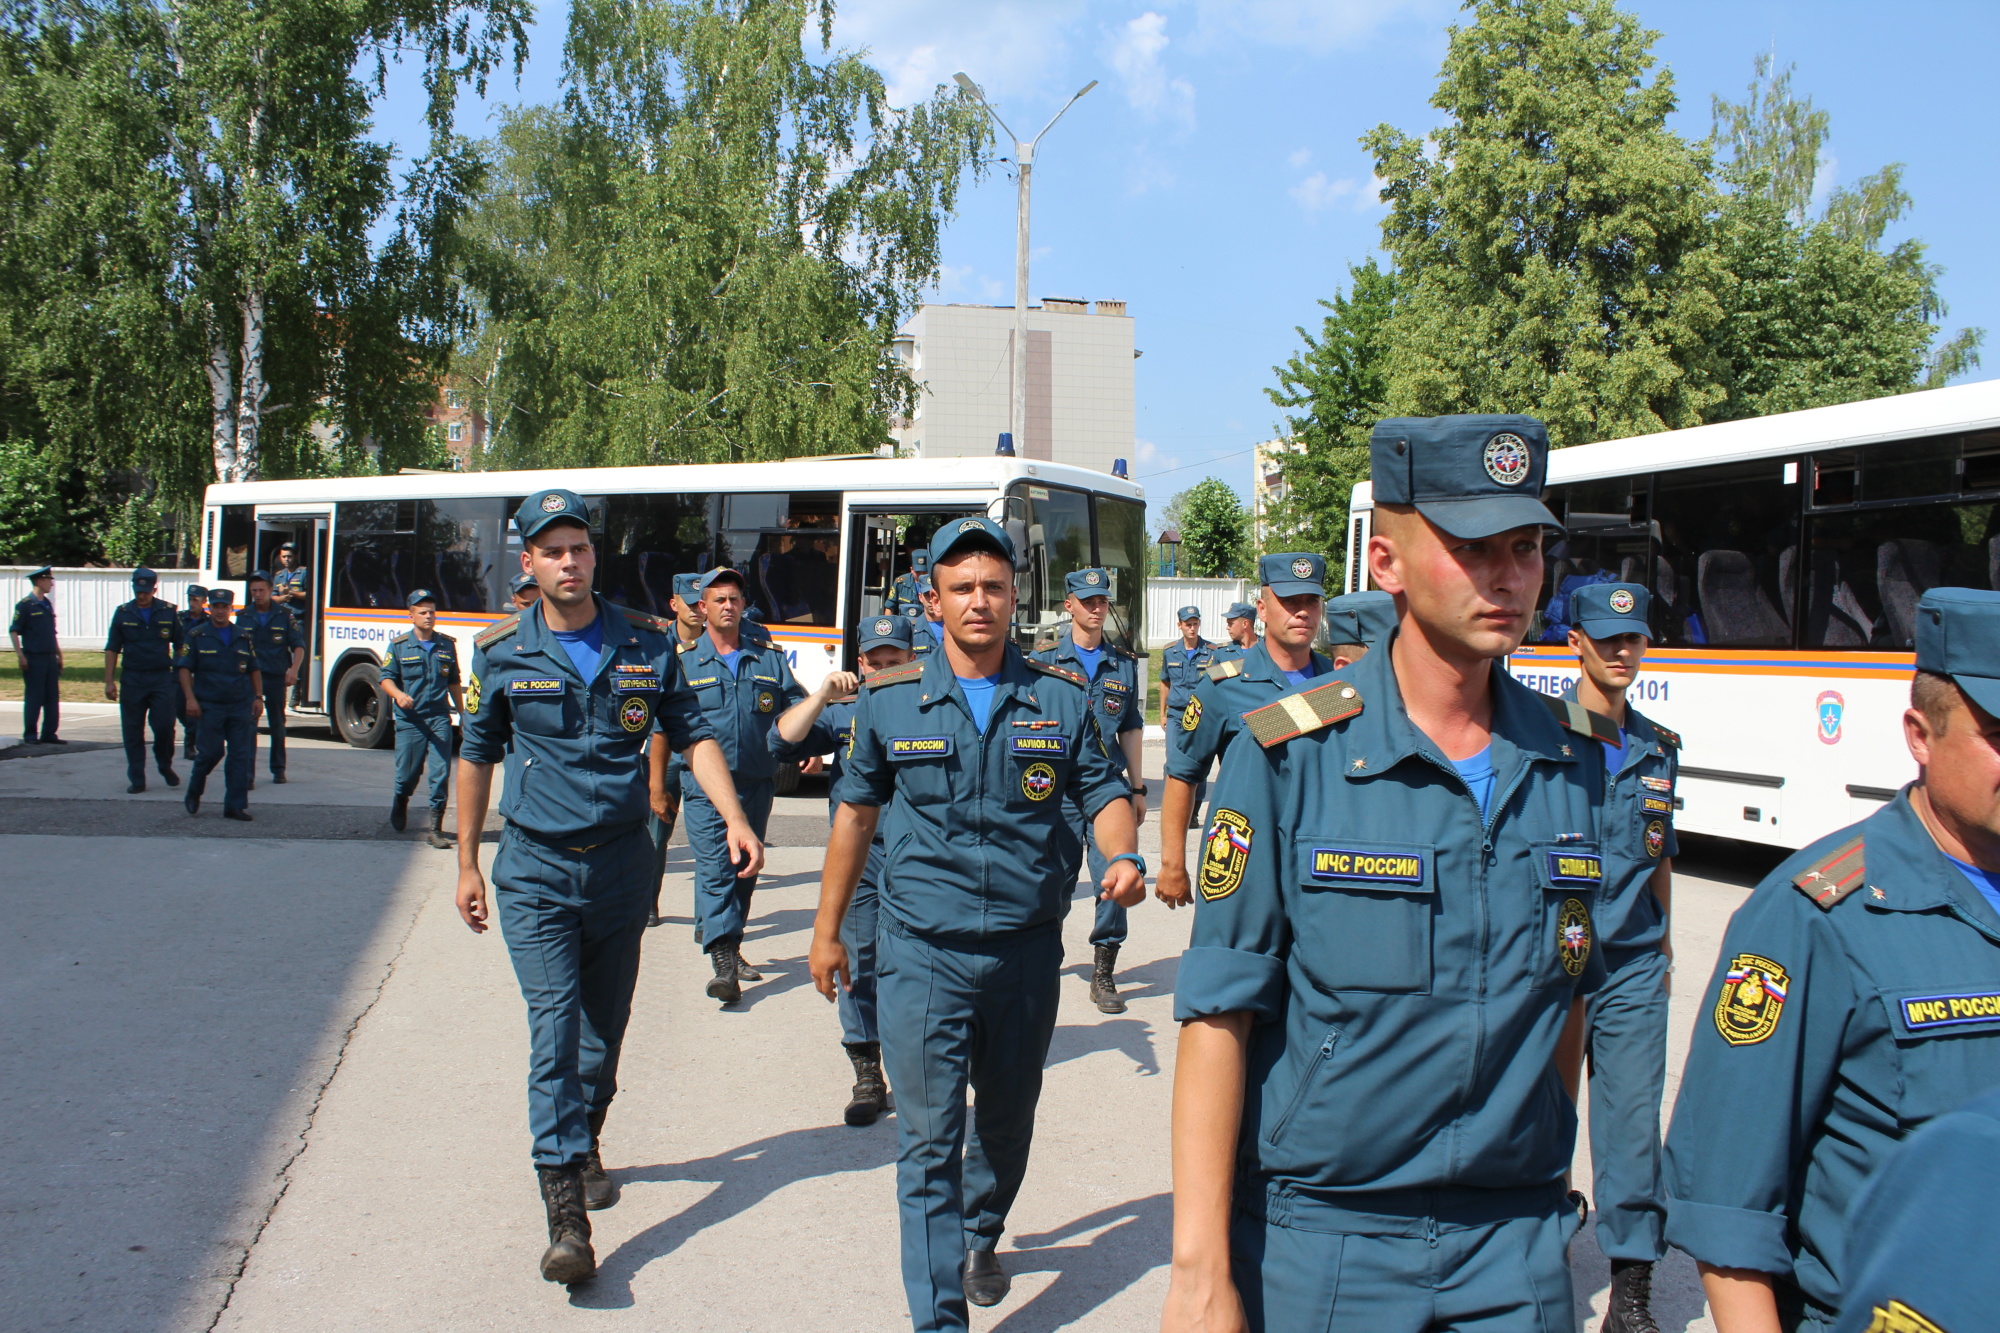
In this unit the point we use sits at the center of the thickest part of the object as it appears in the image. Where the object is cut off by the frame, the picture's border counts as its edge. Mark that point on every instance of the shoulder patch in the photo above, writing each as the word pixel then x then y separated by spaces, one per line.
pixel 1224 670
pixel 686 647
pixel 897 675
pixel 1581 720
pixel 1308 710
pixel 645 619
pixel 1051 669
pixel 1670 739
pixel 1837 874
pixel 497 631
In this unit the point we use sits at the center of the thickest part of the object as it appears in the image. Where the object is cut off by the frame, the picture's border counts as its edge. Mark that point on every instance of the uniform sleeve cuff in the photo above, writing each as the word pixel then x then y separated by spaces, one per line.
pixel 1729 1237
pixel 1096 802
pixel 1227 981
pixel 1183 769
pixel 473 754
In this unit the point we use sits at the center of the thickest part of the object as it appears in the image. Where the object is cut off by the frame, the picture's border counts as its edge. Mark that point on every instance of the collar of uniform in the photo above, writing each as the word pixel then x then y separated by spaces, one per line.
pixel 529 638
pixel 704 649
pixel 1257 665
pixel 1382 735
pixel 1911 872
pixel 1640 739
pixel 1065 650
pixel 939 682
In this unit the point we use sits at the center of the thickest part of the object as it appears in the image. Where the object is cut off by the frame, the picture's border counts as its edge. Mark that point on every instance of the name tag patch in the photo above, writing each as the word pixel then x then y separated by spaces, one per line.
pixel 1057 746
pixel 535 685
pixel 705 680
pixel 919 747
pixel 1575 868
pixel 634 684
pixel 1117 687
pixel 1921 1013
pixel 1381 867
pixel 1655 805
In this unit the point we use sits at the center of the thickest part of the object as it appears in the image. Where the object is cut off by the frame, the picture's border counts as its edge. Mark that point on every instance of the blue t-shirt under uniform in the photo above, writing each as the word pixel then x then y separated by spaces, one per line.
pixel 1090 657
pixel 979 698
pixel 1477 773
pixel 430 645
pixel 1986 881
pixel 1614 755
pixel 585 647
pixel 732 661
pixel 1299 677
pixel 936 627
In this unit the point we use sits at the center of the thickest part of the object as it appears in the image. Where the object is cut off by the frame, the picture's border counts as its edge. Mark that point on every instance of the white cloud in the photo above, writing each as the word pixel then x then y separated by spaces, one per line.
pixel 1135 54
pixel 1300 156
pixel 1317 193
pixel 1012 48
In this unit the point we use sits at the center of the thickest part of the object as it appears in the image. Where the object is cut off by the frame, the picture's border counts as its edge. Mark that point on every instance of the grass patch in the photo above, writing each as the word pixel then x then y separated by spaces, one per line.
pixel 82 681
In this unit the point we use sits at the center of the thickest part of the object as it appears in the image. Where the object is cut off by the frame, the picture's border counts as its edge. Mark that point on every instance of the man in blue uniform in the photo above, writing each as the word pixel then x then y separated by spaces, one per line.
pixel 743 683
pixel 1112 675
pixel 281 647
pixel 663 768
pixel 420 676
pixel 1625 1037
pixel 821 724
pixel 904 600
pixel 1857 996
pixel 972 750
pixel 223 691
pixel 139 653
pixel 1356 622
pixel 1181 666
pixel 1292 602
pixel 291 588
pixel 927 622
pixel 566 693
pixel 523 592
pixel 1239 622
pixel 41 661
pixel 1370 1135
pixel 195 614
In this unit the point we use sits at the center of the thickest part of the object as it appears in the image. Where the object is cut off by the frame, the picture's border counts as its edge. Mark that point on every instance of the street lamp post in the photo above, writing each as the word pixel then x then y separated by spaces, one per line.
pixel 1024 160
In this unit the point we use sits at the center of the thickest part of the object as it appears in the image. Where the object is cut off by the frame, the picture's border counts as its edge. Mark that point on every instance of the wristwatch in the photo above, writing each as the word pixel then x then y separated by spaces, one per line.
pixel 1141 790
pixel 1133 857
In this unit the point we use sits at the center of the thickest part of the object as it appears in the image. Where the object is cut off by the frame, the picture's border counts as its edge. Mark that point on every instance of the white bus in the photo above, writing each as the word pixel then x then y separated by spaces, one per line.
pixel 1785 555
pixel 820 541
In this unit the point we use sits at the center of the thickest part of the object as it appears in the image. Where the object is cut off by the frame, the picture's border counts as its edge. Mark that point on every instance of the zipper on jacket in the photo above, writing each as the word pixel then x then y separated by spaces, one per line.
pixel 1306 1081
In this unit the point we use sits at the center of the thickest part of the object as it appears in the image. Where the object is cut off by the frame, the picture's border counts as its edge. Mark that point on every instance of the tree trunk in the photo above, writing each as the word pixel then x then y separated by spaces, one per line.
pixel 250 406
pixel 221 402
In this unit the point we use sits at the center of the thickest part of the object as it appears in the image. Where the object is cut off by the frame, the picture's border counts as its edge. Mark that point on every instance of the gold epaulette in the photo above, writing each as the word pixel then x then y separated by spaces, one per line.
pixel 1224 670
pixel 896 675
pixel 1308 710
pixel 680 647
pixel 1833 877
pixel 1051 669
pixel 645 619
pixel 497 631
pixel 1581 720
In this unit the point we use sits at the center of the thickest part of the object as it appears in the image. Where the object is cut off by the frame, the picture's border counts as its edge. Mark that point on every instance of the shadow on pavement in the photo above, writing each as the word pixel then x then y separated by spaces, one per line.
pixel 1131 1036
pixel 1137 983
pixel 1136 1238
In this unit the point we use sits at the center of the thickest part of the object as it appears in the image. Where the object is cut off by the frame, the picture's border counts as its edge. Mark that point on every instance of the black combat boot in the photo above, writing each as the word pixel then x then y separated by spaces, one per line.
pixel 871 1094
pixel 599 1190
pixel 745 972
pixel 1104 981
pixel 437 838
pixel 724 986
pixel 569 1257
pixel 1631 1298
pixel 399 813
pixel 985 1282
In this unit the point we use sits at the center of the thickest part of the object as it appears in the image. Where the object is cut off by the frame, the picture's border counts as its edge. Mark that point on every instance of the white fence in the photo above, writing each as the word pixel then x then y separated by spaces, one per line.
pixel 85 599
pixel 1165 598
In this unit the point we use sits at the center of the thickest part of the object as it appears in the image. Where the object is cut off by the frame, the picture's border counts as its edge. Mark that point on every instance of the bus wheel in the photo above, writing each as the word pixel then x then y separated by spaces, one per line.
pixel 786 780
pixel 360 714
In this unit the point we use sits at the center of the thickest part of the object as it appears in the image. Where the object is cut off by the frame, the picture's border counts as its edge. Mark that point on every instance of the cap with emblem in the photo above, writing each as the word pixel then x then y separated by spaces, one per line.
pixel 1604 610
pixel 259 576
pixel 521 581
pixel 287 546
pixel 1088 583
pixel 221 597
pixel 1366 618
pixel 1290 573
pixel 45 572
pixel 687 587
pixel 1240 611
pixel 546 507
pixel 420 596
pixel 877 631
pixel 1188 613
pixel 1473 476
pixel 1958 635
pixel 979 532
pixel 144 579
pixel 720 574
pixel 920 562
pixel 197 593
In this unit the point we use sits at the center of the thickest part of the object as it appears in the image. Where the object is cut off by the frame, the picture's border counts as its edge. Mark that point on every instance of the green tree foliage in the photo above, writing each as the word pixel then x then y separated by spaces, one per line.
pixel 133 535
pixel 702 255
pixel 1215 532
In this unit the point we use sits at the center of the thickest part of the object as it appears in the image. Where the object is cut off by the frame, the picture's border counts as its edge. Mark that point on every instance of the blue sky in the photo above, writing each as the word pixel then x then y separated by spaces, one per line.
pixel 1213 180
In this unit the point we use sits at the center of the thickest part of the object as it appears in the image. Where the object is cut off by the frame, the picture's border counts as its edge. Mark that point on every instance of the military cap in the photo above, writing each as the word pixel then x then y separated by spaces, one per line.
pixel 258 575
pixel 197 593
pixel 1602 610
pixel 975 531
pixel 720 574
pixel 924 583
pixel 1188 613
pixel 885 629
pixel 288 546
pixel 1290 573
pixel 520 581
pixel 1240 611
pixel 920 561
pixel 144 579
pixel 687 587
pixel 420 596
pixel 1365 618
pixel 1958 635
pixel 45 572
pixel 551 506
pixel 1088 582
pixel 1472 475
pixel 221 597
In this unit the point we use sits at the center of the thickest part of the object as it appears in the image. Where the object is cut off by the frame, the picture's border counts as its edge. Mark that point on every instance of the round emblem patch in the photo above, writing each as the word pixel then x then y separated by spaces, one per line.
pixel 1093 578
pixel 766 701
pixel 1507 459
pixel 1302 568
pixel 1225 852
pixel 472 693
pixel 1112 706
pixel 1753 995
pixel 551 502
pixel 885 627
pixel 970 525
pixel 1573 936
pixel 1038 782
pixel 1191 715
pixel 1656 837
pixel 635 713
pixel 1622 601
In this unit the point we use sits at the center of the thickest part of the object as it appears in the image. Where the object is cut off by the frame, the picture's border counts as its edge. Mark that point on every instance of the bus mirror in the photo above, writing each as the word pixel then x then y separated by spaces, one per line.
pixel 1017 533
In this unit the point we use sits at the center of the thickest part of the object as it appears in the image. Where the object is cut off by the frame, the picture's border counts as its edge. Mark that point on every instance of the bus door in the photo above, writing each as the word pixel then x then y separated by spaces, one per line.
pixel 305 527
pixel 878 574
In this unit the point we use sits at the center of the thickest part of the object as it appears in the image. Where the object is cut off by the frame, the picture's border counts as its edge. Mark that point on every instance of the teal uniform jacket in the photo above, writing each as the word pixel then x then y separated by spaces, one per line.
pixel 742 707
pixel 1407 964
pixel 1114 691
pixel 1181 669
pixel 35 621
pixel 426 676
pixel 220 671
pixel 1213 718
pixel 575 766
pixel 145 640
pixel 903 599
pixel 1857 997
pixel 287 581
pixel 274 633
pixel 1638 831
pixel 978 844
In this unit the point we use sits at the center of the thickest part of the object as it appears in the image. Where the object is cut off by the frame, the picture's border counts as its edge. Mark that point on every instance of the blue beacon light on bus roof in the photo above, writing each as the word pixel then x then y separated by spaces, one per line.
pixel 1004 449
pixel 1118 468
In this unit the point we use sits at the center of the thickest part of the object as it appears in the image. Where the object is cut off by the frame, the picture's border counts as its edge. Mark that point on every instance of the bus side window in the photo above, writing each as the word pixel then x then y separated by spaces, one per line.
pixel 1729 550
pixel 374 552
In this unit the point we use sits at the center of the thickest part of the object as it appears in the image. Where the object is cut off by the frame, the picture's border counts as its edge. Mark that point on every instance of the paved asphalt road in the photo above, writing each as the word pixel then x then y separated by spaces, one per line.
pixel 259 1077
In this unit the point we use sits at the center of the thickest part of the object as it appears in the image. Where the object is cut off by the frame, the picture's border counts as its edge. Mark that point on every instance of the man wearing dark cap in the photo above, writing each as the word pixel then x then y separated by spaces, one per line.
pixel 139 651
pixel 1181 668
pixel 195 614
pixel 566 693
pixel 1239 622
pixel 822 724
pixel 1292 602
pixel 904 600
pixel 523 591
pixel 927 621
pixel 1356 622
pixel 40 657
pixel 420 676
pixel 223 691
pixel 663 766
pixel 291 588
pixel 1857 996
pixel 1625 1035
pixel 743 683
pixel 966 758
pixel 281 648
pixel 1370 1134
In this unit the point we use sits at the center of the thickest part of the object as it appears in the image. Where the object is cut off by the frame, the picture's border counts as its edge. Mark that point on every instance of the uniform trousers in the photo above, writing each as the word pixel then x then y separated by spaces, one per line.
pixel 190 728
pixel 857 935
pixel 41 697
pixel 957 1013
pixel 146 697
pixel 1628 1072
pixel 1438 1261
pixel 418 735
pixel 275 694
pixel 573 917
pixel 721 900
pixel 226 735
pixel 1109 925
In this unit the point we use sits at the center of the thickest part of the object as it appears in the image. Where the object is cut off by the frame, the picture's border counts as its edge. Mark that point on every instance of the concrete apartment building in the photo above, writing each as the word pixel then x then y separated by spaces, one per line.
pixel 1268 487
pixel 1080 381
